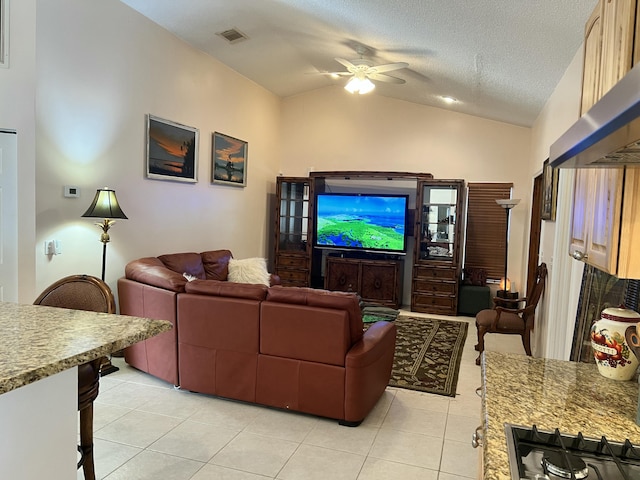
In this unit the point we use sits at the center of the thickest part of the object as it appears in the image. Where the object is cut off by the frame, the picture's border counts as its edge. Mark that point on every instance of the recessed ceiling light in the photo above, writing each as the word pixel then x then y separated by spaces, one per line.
pixel 449 100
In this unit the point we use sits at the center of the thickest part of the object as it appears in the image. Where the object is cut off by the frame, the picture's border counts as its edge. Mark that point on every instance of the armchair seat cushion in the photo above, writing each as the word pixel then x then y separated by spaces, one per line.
pixel 508 322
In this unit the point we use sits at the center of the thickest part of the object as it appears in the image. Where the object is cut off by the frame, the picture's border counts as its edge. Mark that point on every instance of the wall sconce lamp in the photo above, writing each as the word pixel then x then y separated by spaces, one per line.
pixel 507 204
pixel 105 205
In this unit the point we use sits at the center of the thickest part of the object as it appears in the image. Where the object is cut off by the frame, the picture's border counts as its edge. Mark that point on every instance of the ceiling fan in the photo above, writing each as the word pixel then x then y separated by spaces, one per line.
pixel 363 71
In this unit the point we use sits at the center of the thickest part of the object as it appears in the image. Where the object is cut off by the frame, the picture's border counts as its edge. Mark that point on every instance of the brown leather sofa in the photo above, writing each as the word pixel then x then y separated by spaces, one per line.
pixel 293 348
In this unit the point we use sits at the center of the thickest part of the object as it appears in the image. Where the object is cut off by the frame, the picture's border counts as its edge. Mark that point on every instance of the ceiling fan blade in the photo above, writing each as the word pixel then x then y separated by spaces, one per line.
pixel 385 78
pixel 346 63
pixel 388 67
pixel 331 74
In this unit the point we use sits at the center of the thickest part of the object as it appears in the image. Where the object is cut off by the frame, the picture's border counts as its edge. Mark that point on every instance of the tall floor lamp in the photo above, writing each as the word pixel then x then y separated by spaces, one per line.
pixel 105 206
pixel 507 204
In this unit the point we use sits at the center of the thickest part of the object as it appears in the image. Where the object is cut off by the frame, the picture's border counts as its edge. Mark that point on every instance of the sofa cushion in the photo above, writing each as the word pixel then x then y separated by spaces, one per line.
pixel 152 271
pixel 322 298
pixel 219 288
pixel 304 333
pixel 181 263
pixel 216 264
pixel 474 276
pixel 249 270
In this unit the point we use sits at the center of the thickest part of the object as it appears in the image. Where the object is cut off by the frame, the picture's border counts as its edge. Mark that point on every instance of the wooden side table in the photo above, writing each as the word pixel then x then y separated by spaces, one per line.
pixel 507 299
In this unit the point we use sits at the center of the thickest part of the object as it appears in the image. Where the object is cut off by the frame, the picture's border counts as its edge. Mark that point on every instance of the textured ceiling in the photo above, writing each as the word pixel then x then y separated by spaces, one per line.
pixel 500 58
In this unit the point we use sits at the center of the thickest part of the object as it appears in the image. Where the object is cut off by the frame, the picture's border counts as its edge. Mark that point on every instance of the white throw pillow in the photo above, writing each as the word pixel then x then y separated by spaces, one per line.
pixel 248 270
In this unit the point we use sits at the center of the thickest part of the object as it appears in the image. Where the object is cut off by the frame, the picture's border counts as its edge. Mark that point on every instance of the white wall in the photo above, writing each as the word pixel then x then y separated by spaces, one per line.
pixel 101 67
pixel 329 129
pixel 17 113
pixel 556 318
pixel 95 83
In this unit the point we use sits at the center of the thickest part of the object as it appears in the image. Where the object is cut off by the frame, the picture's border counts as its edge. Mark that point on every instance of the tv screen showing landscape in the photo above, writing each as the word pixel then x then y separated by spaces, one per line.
pixel 367 222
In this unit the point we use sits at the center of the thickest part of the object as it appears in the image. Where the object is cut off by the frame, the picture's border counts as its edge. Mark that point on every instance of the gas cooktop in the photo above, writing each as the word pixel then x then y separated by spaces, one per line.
pixel 543 455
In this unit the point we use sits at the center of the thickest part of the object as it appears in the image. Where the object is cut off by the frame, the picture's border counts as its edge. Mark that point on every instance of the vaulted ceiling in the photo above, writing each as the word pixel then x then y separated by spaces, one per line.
pixel 501 59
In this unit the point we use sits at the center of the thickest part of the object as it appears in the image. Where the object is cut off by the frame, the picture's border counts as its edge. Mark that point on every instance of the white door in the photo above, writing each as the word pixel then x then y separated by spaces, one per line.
pixel 8 216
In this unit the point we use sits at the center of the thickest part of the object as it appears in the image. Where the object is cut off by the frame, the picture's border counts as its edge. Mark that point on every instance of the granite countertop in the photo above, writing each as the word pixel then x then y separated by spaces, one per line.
pixel 551 394
pixel 38 341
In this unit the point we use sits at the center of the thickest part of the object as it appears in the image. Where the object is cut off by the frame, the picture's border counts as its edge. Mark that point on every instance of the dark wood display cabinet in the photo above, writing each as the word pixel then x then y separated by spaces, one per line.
pixel 377 281
pixel 292 255
pixel 437 251
pixel 376 278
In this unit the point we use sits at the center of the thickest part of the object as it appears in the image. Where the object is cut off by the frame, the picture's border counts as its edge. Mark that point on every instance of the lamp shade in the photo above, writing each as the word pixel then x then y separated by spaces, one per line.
pixel 508 203
pixel 105 205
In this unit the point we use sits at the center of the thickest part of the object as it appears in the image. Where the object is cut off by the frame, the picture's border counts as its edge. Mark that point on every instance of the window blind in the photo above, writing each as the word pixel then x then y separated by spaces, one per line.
pixel 486 228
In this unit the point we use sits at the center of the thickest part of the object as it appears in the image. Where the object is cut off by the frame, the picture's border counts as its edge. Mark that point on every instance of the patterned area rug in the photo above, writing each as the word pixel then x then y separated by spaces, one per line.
pixel 428 353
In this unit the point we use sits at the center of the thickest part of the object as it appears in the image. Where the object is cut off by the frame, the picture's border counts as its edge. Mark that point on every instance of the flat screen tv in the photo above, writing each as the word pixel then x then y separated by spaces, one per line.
pixel 361 222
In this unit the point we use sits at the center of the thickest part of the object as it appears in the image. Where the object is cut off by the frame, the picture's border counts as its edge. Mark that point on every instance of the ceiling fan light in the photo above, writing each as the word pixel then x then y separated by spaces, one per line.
pixel 366 86
pixel 359 85
pixel 353 85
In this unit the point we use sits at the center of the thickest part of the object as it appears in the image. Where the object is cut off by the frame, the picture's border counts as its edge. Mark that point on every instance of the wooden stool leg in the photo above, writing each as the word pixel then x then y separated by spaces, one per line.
pixel 86 441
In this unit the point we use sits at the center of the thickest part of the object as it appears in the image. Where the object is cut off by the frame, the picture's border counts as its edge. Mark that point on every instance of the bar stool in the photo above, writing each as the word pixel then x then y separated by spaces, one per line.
pixel 83 292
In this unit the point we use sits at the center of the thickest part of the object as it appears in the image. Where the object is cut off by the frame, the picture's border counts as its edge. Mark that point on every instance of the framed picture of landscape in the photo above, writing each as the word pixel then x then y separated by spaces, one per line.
pixel 172 151
pixel 549 191
pixel 229 160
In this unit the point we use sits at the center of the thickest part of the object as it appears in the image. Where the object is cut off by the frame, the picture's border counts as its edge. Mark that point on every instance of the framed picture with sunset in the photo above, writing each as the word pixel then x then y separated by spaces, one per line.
pixel 172 151
pixel 229 160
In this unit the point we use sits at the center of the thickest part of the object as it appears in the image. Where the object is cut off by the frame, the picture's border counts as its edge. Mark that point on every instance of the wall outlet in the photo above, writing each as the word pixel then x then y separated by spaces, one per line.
pixel 52 247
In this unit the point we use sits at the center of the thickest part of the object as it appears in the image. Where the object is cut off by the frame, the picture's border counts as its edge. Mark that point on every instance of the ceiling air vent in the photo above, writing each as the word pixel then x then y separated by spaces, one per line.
pixel 233 35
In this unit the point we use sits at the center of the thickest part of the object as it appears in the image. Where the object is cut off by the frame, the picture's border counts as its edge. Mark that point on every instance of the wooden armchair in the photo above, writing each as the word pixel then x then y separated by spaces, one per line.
pixel 512 321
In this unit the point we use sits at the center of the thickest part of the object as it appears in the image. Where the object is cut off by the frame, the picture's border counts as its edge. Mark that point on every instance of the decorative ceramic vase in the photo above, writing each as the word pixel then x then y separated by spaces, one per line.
pixel 614 358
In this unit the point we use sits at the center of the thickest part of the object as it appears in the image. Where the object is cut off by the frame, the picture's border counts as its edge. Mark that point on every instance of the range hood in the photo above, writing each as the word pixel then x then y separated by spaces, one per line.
pixel 608 135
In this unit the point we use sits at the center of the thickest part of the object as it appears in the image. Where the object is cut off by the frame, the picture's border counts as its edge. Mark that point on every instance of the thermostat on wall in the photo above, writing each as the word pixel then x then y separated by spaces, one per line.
pixel 70 191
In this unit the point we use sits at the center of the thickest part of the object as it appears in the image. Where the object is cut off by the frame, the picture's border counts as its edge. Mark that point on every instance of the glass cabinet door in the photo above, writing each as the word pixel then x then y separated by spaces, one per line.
pixel 438 222
pixel 293 215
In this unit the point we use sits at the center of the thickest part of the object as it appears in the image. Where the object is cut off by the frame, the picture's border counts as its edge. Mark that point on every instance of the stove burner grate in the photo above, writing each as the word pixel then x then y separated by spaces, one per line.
pixel 540 454
pixel 564 465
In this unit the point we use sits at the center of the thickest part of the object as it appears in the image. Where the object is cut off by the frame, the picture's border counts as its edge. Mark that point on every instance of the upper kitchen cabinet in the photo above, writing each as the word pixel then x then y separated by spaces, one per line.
pixel 603 223
pixel 618 26
pixel 592 59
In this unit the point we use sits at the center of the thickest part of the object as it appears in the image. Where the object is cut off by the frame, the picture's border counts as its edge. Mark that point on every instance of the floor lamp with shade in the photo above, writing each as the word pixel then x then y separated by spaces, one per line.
pixel 505 285
pixel 105 205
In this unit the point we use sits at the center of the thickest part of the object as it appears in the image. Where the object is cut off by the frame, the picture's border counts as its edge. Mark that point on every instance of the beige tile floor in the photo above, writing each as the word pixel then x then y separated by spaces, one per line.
pixel 146 429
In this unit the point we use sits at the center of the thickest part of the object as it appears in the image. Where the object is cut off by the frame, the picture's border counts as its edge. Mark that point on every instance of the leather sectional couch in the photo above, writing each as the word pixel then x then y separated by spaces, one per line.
pixel 287 347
